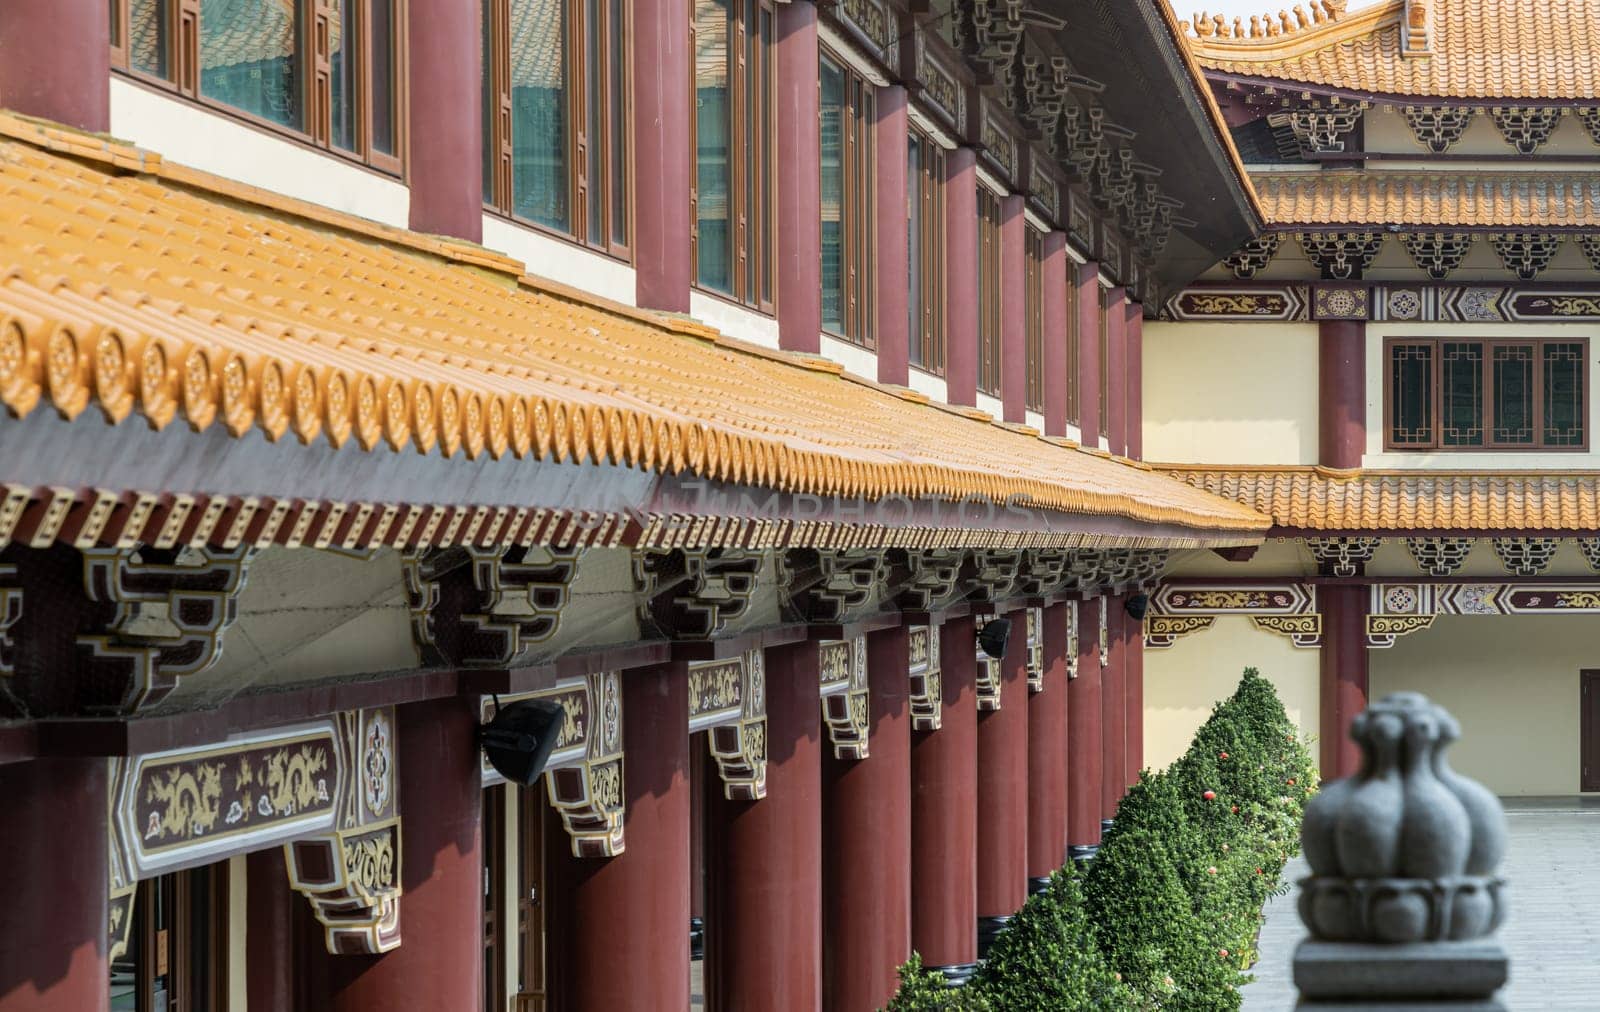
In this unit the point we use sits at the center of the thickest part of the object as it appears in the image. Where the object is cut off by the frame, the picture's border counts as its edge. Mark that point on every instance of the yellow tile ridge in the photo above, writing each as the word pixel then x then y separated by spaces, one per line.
pixel 1208 43
pixel 142 294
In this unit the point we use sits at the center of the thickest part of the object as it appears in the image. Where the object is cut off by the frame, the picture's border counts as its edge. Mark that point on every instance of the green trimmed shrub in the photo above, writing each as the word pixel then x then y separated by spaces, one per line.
pixel 1048 958
pixel 924 990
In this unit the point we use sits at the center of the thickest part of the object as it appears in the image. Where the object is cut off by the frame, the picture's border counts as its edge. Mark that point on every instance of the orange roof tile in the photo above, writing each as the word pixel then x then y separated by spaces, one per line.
pixel 1317 499
pixel 1481 49
pixel 1446 199
pixel 169 294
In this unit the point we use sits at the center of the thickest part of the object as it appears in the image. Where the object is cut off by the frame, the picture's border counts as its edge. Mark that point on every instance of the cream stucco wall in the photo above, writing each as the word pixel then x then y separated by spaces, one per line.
pixel 1230 393
pixel 1184 681
pixel 1513 682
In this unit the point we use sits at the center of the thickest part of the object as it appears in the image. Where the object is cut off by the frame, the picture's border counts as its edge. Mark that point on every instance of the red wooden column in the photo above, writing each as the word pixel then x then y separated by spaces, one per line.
pixel 1135 385
pixel 662 160
pixel 1113 719
pixel 627 934
pixel 1013 310
pixel 1003 795
pixel 445 165
pixel 867 837
pixel 799 144
pixel 269 931
pixel 53 921
pixel 1342 380
pixel 1344 675
pixel 764 914
pixel 55 61
pixel 893 256
pixel 1087 279
pixel 1133 695
pixel 1054 273
pixel 439 963
pixel 944 774
pixel 1047 755
pixel 1116 406
pixel 961 276
pixel 1083 737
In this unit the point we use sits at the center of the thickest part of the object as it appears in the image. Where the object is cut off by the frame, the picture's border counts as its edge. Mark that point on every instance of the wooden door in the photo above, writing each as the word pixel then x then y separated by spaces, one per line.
pixel 533 991
pixel 1589 738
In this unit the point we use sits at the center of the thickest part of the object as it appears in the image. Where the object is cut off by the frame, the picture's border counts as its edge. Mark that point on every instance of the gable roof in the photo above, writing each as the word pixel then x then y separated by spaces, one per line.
pixel 1477 49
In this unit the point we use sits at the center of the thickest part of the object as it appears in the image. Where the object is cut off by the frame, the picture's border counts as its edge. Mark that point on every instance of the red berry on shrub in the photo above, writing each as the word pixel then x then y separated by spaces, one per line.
pixel 1235 809
pixel 1209 795
pixel 1223 755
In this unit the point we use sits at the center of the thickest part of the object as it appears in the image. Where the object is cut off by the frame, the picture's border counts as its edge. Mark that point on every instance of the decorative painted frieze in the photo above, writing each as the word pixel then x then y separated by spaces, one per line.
pixel 927 699
pixel 1074 612
pixel 1341 302
pixel 1289 609
pixel 845 699
pixel 989 677
pixel 1105 633
pixel 1399 609
pixel 1035 642
pixel 1263 304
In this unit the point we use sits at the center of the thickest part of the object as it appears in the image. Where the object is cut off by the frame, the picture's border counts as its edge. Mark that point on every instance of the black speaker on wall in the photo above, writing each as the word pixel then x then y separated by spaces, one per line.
pixel 1136 606
pixel 520 737
pixel 992 638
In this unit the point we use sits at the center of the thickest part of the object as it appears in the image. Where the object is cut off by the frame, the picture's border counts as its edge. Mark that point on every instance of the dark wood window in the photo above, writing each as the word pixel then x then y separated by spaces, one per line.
pixel 1073 411
pixel 733 197
pixel 1443 394
pixel 325 70
pixel 849 216
pixel 1105 359
pixel 556 117
pixel 1034 258
pixel 989 291
pixel 1589 731
pixel 177 958
pixel 925 252
pixel 537 826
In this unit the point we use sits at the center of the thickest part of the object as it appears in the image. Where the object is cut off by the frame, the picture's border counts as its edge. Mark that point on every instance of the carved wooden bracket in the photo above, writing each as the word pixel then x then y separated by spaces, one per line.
pixel 1341 256
pixel 991 576
pixel 1526 556
pixel 1035 643
pixel 924 581
pixel 728 699
pixel 1288 609
pixel 478 607
pixel 694 593
pixel 1438 253
pixel 1439 556
pixel 1526 129
pixel 1526 254
pixel 1342 556
pixel 1253 257
pixel 927 698
pixel 845 700
pixel 1437 127
pixel 352 880
pixel 820 586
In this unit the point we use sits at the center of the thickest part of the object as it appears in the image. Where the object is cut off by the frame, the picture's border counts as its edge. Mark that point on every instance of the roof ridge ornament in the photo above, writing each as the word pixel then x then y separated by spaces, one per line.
pixel 1416 30
pixel 1209 27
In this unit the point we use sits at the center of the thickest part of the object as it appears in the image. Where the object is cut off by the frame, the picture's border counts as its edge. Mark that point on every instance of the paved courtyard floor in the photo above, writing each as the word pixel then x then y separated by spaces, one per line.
pixel 1552 932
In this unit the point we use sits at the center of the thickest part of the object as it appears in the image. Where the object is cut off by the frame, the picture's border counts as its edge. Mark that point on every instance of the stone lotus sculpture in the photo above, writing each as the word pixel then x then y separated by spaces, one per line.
pixel 1403 858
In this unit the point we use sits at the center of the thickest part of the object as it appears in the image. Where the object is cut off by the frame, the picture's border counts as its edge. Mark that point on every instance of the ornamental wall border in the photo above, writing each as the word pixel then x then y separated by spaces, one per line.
pixel 1400 609
pixel 1247 302
pixel 1288 609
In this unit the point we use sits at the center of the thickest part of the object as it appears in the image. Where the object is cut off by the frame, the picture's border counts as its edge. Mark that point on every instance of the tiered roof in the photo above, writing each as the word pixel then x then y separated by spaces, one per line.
pixel 1478 199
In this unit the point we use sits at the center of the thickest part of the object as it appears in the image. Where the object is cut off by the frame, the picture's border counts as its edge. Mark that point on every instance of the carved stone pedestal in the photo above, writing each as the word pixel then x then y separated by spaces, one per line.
pixel 1428 972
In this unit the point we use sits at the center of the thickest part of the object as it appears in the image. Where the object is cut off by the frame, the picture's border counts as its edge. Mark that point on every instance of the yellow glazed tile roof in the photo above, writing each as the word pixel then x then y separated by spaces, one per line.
pixel 129 286
pixel 1478 49
pixel 1317 499
pixel 1445 199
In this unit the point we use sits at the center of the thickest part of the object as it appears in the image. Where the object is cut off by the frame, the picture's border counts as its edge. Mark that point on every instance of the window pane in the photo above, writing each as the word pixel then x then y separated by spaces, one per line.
pixel 539 112
pixel 1105 360
pixel 1563 394
pixel 383 87
pixel 1513 394
pixel 148 41
pixel 768 206
pixel 342 27
pixel 914 190
pixel 1461 394
pixel 619 124
pixel 1411 394
pixel 594 121
pixel 831 115
pixel 712 149
pixel 250 57
pixel 1072 344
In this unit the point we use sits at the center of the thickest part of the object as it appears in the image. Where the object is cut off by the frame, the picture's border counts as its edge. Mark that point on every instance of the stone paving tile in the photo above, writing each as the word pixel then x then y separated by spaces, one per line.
pixel 1552 932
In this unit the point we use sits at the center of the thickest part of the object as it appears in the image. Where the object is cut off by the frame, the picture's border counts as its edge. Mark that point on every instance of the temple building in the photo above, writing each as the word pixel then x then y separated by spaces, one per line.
pixel 1397 369
pixel 705 378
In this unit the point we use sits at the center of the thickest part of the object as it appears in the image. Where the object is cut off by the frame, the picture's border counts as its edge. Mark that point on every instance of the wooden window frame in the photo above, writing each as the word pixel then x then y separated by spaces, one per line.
pixel 1104 337
pixel 1489 445
pixel 180 970
pixel 858 212
pixel 1033 287
pixel 615 48
pixel 1074 402
pixel 315 77
pixel 926 189
pixel 752 229
pixel 991 292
